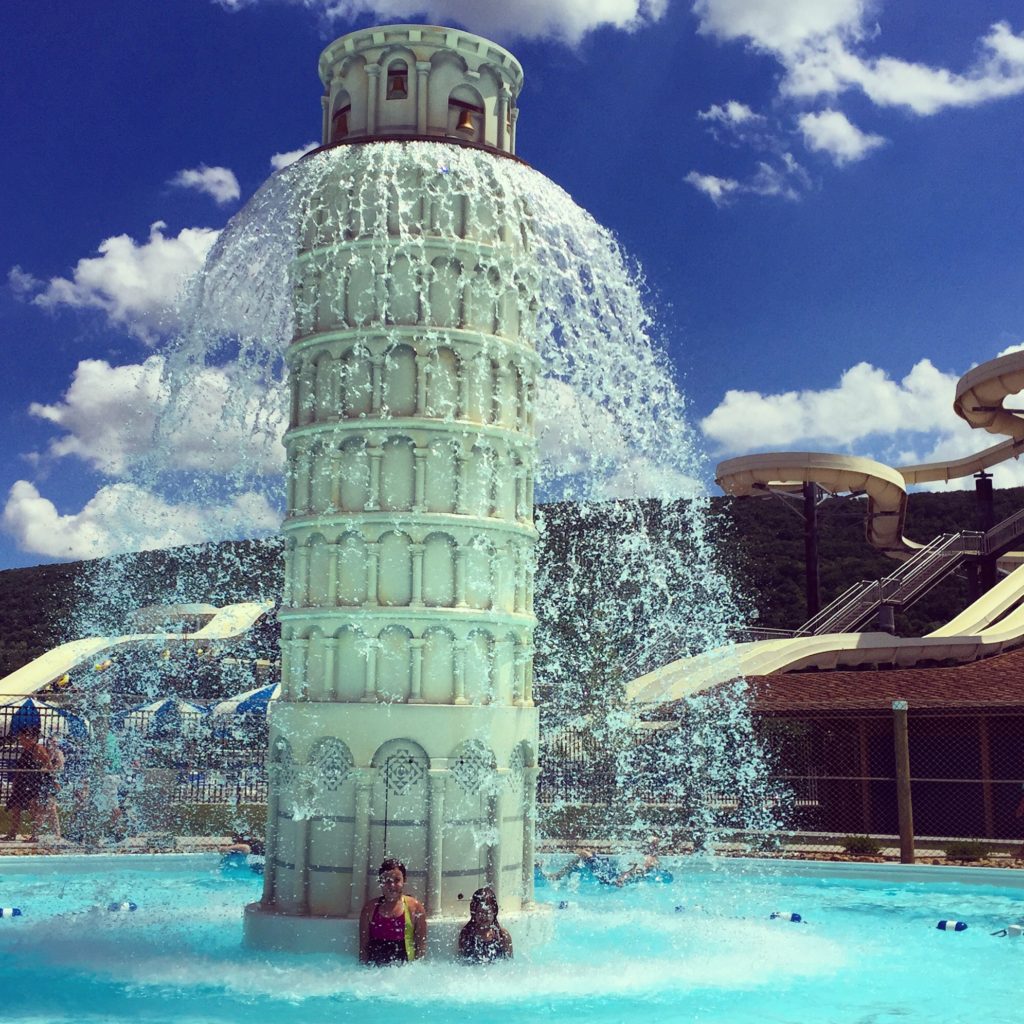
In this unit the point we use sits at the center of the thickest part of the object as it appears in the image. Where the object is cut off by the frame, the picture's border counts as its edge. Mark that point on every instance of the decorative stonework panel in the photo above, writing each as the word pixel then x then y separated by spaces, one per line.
pixel 472 766
pixel 330 763
pixel 403 772
pixel 516 770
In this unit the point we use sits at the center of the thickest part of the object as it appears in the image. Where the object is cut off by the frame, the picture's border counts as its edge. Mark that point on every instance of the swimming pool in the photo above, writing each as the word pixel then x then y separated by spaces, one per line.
pixel 869 952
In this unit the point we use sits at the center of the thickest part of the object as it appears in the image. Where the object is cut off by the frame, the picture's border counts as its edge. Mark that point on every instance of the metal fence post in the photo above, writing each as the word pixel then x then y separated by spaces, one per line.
pixel 903 797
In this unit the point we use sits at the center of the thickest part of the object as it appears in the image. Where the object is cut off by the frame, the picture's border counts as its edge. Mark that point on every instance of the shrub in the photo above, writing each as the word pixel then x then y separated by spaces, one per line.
pixel 966 850
pixel 860 846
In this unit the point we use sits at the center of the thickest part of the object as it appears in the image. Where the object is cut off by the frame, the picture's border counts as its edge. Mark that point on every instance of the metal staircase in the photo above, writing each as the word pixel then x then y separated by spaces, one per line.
pixel 914 578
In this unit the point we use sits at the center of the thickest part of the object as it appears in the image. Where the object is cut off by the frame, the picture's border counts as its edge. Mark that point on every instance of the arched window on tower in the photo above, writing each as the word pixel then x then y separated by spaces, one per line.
pixel 398 80
pixel 339 123
pixel 466 118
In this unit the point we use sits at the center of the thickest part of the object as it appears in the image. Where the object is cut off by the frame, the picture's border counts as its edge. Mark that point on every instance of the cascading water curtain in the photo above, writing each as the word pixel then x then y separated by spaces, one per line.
pixel 629 576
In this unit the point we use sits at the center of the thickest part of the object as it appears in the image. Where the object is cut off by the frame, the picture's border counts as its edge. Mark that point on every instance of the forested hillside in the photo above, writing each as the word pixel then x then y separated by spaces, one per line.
pixel 760 540
pixel 764 548
pixel 41 606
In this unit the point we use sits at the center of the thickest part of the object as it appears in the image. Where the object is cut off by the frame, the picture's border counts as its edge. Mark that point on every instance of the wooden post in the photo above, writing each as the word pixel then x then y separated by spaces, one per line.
pixel 903 794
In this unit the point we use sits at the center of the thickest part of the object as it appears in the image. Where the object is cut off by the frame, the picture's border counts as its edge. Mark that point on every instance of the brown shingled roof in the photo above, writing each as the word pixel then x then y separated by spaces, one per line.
pixel 996 682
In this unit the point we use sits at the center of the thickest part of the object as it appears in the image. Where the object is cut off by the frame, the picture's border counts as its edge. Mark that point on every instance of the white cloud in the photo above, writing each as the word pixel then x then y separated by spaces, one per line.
pixel 781 27
pixel 897 422
pixel 218 182
pixel 831 132
pixel 116 417
pixel 784 178
pixel 716 189
pixel 824 48
pixel 735 124
pixel 566 20
pixel 125 517
pixel 820 45
pixel 730 113
pixel 830 68
pixel 21 282
pixel 778 179
pixel 866 402
pixel 281 160
pixel 134 284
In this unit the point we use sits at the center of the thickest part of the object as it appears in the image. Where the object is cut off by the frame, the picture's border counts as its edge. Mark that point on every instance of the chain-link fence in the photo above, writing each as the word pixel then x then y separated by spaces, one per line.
pixel 206 761
pixel 600 787
pixel 966 771
pixel 831 773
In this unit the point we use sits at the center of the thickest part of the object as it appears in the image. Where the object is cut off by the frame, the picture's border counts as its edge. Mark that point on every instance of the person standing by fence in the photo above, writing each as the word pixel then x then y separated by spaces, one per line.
pixel 46 804
pixel 28 771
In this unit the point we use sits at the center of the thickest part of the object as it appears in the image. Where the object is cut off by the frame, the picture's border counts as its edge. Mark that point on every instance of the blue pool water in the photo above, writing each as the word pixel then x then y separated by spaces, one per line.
pixel 869 952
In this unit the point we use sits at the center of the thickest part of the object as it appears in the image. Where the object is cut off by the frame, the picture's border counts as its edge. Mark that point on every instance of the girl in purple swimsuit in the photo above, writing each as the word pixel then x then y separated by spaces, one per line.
pixel 393 927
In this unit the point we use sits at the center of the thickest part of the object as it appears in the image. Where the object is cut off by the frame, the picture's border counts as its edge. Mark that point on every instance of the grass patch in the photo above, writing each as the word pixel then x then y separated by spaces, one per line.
pixel 967 850
pixel 860 846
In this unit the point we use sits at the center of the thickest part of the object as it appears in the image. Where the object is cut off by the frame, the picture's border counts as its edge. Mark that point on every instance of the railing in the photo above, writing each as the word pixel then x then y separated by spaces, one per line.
pixel 910 581
pixel 857 597
pixel 745 634
pixel 1003 534
pixel 914 577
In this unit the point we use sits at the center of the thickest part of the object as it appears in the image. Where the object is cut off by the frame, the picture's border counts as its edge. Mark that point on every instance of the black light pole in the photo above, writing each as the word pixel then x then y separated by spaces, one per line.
pixel 812 585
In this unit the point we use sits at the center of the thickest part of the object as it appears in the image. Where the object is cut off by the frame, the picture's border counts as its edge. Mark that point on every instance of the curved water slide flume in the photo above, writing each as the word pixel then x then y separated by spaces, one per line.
pixel 993 623
pixel 228 623
pixel 886 490
pixel 980 398
pixel 981 392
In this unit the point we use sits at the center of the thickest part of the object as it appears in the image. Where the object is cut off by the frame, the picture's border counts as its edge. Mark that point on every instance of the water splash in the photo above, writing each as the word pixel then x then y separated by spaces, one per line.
pixel 624 584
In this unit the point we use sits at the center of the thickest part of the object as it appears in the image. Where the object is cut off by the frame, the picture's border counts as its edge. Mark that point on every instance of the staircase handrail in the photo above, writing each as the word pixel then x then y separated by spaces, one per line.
pixel 845 600
pixel 930 563
pixel 936 558
pixel 916 574
pixel 1008 530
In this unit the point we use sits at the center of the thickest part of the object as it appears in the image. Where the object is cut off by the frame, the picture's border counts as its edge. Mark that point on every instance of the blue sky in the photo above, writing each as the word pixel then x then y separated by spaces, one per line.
pixel 825 195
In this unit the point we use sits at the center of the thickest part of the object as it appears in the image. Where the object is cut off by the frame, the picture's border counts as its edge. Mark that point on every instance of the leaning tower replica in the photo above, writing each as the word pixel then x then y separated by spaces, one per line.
pixel 406 725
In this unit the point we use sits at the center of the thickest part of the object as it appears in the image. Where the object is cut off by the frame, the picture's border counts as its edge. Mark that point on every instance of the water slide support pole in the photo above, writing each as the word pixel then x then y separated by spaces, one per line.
pixel 812 585
pixel 986 520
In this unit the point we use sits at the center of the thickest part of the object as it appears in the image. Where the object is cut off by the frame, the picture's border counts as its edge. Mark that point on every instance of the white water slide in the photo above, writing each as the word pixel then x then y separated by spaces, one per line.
pixel 225 623
pixel 993 623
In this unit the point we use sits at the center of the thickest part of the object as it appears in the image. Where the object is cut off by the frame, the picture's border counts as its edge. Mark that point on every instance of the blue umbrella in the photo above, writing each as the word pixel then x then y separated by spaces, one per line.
pixel 163 714
pixel 34 715
pixel 252 702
